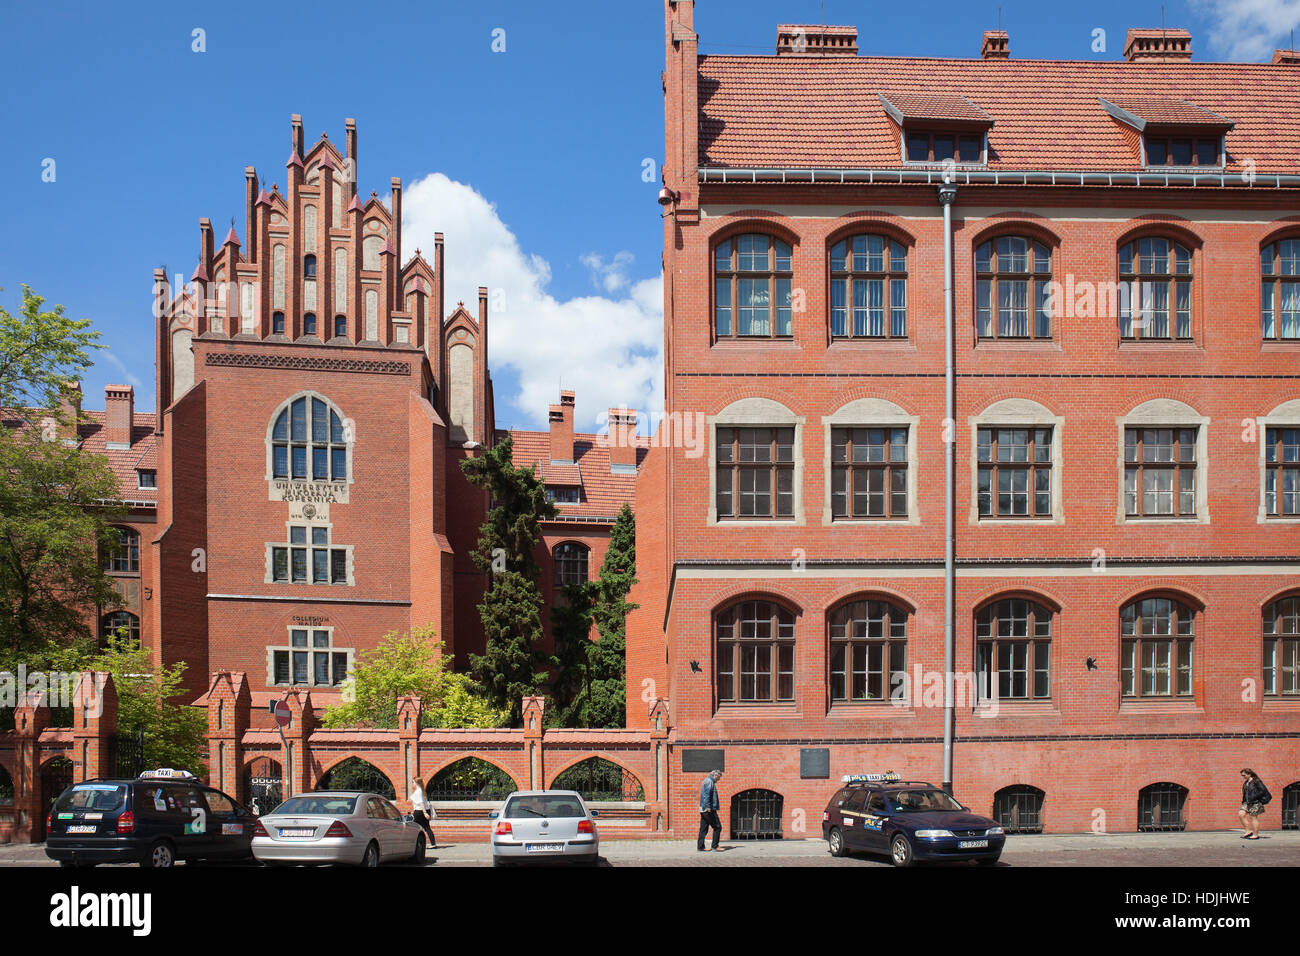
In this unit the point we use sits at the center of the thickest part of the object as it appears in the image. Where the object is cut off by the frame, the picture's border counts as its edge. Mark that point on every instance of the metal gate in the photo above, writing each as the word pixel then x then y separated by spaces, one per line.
pixel 56 776
pixel 1291 807
pixel 756 815
pixel 126 754
pixel 1019 809
pixel 1160 807
pixel 263 785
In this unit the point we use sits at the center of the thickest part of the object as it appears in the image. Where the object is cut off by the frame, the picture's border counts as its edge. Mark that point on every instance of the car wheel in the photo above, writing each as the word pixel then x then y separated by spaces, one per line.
pixel 835 841
pixel 371 857
pixel 160 855
pixel 418 856
pixel 900 851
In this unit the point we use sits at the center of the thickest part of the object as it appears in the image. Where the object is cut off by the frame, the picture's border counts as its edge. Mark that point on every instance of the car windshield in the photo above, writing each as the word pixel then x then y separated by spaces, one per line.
pixel 921 801
pixel 92 796
pixel 322 806
pixel 543 806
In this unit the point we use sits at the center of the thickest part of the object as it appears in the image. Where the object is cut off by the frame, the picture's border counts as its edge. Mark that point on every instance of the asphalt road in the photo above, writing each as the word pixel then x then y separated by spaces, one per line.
pixel 1217 848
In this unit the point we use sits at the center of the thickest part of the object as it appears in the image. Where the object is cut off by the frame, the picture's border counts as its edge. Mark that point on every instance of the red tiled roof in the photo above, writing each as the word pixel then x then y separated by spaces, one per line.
pixel 603 494
pixel 123 462
pixel 933 106
pixel 1168 111
pixel 825 112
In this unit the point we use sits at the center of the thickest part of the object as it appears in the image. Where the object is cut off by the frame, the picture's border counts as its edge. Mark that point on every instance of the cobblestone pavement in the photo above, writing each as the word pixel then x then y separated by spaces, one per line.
pixel 1214 848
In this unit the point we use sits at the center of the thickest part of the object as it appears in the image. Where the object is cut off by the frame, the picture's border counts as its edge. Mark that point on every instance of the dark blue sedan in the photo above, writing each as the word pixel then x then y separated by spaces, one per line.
pixel 908 820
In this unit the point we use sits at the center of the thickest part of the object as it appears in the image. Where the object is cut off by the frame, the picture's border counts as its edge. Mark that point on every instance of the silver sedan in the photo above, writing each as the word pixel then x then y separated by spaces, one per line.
pixel 337 826
pixel 544 824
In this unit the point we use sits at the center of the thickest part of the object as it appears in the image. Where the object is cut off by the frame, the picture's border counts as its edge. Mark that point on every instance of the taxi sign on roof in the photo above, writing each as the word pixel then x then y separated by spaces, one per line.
pixel 890 777
pixel 166 772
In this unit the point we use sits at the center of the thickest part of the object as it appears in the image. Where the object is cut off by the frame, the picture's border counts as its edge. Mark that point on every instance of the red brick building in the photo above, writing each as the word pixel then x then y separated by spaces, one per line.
pixel 1126 433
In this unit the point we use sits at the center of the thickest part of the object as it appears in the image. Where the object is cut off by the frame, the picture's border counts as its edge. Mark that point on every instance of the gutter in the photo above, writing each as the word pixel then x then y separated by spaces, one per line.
pixel 956 175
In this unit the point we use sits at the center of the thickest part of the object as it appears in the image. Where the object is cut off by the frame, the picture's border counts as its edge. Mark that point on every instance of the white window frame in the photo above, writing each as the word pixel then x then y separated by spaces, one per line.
pixel 288 647
pixel 1019 413
pixel 309 547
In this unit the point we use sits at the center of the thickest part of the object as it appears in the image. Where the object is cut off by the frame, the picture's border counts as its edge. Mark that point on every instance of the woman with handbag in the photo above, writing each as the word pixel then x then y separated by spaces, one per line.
pixel 1253 797
pixel 422 809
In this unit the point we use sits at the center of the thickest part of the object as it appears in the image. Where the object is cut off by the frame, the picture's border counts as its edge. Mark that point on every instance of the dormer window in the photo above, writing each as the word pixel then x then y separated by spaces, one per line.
pixel 939 127
pixel 148 478
pixel 562 495
pixel 1164 150
pixel 937 146
pixel 1174 132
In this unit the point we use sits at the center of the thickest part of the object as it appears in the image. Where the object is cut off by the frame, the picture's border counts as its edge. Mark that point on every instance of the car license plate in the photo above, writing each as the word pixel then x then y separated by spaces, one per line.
pixel 296 832
pixel 972 844
pixel 81 829
pixel 543 847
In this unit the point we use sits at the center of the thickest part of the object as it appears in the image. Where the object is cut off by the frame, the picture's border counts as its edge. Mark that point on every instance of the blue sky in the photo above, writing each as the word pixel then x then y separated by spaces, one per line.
pixel 529 159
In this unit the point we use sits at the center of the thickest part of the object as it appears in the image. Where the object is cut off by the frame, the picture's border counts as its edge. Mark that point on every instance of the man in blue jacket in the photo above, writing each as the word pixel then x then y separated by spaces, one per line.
pixel 709 810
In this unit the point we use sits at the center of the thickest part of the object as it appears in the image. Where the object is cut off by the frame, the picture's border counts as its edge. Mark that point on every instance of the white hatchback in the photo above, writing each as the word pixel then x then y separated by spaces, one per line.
pixel 544 825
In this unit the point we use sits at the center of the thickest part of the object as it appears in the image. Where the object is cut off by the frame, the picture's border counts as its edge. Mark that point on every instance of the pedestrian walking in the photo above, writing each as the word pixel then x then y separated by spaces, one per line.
pixel 422 809
pixel 1254 795
pixel 709 810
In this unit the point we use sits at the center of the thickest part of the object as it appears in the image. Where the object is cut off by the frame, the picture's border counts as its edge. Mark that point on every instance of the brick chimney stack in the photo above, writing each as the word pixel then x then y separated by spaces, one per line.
pixel 1153 44
pixel 119 415
pixel 69 412
pixel 622 441
pixel 1286 57
pixel 561 422
pixel 995 45
pixel 793 39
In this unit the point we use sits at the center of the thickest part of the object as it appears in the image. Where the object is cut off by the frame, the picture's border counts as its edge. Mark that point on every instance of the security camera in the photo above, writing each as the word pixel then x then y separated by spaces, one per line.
pixel 667 197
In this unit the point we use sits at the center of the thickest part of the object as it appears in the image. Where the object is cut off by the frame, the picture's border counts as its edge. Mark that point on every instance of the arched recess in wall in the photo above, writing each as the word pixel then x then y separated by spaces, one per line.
pixel 182 362
pixel 460 364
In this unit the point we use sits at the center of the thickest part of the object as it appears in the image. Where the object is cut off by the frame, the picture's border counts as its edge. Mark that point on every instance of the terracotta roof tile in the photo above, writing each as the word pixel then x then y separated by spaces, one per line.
pixel 933 106
pixel 825 112
pixel 123 462
pixel 603 493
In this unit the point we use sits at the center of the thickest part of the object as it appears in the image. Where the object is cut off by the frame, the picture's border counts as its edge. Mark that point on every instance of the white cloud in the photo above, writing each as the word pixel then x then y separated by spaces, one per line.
pixel 1249 29
pixel 131 378
pixel 608 349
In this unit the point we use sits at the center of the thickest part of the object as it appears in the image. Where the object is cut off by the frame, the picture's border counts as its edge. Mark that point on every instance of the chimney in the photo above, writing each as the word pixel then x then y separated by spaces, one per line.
pixel 995 45
pixel 1286 57
pixel 350 141
pixel 69 412
pixel 561 419
pixel 295 134
pixel 119 415
pixel 396 183
pixel 804 40
pixel 1153 44
pixel 622 441
pixel 250 200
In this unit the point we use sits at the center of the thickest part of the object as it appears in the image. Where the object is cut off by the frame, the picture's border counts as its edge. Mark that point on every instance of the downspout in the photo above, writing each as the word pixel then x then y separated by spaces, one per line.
pixel 947 196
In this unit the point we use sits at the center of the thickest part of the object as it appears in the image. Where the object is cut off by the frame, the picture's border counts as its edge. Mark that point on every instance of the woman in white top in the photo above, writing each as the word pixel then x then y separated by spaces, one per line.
pixel 421 809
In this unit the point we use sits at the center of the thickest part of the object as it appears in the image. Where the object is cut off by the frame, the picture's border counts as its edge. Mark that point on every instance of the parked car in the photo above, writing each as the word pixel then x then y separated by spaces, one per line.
pixel 155 819
pixel 337 826
pixel 544 825
pixel 909 820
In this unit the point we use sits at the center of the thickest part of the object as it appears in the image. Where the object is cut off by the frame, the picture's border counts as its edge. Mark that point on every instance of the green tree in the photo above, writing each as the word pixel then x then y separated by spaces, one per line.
pixel 511 666
pixel 591 689
pixel 410 664
pixel 40 352
pixel 175 734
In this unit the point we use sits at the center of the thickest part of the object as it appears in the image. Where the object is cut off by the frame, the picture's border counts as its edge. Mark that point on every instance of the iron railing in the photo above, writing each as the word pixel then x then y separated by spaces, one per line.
pixel 756 815
pixel 600 780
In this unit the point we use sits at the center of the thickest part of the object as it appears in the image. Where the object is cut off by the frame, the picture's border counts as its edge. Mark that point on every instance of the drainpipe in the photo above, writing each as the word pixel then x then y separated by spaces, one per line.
pixel 947 196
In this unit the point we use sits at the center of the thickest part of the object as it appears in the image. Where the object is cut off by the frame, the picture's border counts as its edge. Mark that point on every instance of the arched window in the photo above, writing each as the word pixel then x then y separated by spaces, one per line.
pixel 1282 647
pixel 123 557
pixel 117 622
pixel 277 323
pixel 868 284
pixel 599 779
pixel 751 282
pixel 755 643
pixel 1291 806
pixel 470 778
pixel 340 326
pixel 309 323
pixel 868 650
pixel 309 431
pixel 6 788
pixel 570 564
pixel 357 774
pixel 309 267
pixel 1161 806
pixel 1279 266
pixel 1156 274
pixel 1013 650
pixel 1019 809
pixel 1156 636
pixel 1011 278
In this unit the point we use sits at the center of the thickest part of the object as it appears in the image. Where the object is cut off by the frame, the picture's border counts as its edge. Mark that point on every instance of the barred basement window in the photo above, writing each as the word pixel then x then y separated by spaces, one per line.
pixel 1291 806
pixel 1014 476
pixel 755 645
pixel 1013 647
pixel 570 563
pixel 868 651
pixel 869 472
pixel 1282 472
pixel 310 659
pixel 1156 638
pixel 1160 472
pixel 1011 280
pixel 1279 266
pixel 1019 809
pixel 123 556
pixel 868 276
pixel 755 472
pixel 1158 276
pixel 1282 647
pixel 751 281
pixel 326 449
pixel 1161 807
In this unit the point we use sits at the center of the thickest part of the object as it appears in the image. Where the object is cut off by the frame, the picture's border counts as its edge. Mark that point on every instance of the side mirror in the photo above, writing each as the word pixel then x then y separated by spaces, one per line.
pixel 494 814
pixel 594 813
